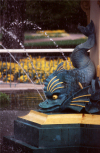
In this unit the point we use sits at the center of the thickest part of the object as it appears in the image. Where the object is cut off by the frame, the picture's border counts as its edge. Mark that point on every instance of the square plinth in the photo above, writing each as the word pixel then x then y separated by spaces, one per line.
pixel 11 145
pixel 47 135
pixel 57 130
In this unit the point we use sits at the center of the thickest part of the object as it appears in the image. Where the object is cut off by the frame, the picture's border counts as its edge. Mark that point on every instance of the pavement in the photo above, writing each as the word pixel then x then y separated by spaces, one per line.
pixel 68 37
pixel 7 87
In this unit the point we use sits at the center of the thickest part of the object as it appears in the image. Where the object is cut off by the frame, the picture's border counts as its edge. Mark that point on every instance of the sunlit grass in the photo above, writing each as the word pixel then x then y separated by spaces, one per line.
pixel 59 43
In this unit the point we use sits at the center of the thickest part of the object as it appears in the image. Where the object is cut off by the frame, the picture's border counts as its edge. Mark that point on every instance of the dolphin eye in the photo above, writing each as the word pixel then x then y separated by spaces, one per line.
pixel 54 97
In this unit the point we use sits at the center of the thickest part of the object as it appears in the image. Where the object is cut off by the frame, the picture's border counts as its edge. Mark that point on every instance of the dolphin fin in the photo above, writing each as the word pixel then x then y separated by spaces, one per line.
pixel 60 68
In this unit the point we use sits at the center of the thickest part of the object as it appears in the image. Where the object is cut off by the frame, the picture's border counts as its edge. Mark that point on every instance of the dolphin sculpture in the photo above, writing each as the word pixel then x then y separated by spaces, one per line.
pixel 62 86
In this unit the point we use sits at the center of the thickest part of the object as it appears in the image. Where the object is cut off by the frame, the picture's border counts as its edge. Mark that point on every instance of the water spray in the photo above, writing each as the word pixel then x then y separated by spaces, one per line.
pixel 22 46
pixel 59 48
pixel 23 71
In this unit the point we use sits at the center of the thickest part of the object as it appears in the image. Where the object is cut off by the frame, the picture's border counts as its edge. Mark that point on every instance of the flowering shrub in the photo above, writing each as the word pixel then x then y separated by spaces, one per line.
pixel 52 33
pixel 35 68
pixel 0 75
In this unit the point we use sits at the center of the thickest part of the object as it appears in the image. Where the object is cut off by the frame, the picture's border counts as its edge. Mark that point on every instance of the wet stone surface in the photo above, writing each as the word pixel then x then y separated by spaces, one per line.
pixel 7 118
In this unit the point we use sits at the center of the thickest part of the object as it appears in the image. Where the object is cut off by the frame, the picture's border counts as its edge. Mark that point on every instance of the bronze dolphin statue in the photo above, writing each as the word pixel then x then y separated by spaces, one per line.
pixel 63 85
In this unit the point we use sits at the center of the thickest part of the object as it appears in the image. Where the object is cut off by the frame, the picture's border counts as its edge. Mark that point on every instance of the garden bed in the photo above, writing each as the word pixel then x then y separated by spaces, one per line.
pixel 38 69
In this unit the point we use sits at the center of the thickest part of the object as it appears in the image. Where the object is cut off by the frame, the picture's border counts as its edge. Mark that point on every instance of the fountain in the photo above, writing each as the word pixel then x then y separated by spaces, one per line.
pixel 57 126
pixel 64 123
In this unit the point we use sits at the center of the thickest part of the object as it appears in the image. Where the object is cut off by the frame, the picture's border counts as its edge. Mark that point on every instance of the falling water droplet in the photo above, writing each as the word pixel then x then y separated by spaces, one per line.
pixel 39 28
pixel 51 39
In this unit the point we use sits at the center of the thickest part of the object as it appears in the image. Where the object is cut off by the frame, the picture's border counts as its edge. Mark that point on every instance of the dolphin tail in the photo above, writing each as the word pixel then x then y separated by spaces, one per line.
pixel 79 56
pixel 88 30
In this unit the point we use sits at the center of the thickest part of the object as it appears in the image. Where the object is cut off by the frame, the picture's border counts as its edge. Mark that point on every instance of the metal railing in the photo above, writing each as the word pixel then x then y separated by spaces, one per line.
pixel 57 50
pixel 10 72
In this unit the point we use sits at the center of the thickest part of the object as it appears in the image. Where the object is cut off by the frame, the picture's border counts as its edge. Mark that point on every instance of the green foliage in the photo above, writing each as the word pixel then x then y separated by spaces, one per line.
pixel 55 14
pixel 0 36
pixel 4 100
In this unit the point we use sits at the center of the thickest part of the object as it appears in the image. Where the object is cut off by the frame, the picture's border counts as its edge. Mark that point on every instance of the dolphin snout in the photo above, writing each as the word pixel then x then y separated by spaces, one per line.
pixel 44 104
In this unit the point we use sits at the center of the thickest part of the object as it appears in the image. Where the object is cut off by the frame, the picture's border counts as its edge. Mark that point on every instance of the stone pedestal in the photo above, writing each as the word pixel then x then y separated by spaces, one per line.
pixel 95 16
pixel 55 133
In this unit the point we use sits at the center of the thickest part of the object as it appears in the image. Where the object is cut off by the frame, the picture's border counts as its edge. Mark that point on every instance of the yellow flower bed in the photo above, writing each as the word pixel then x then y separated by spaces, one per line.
pixel 36 68
pixel 10 77
pixel 52 32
